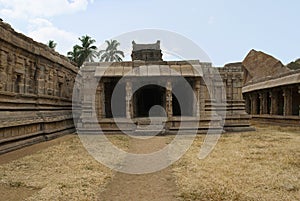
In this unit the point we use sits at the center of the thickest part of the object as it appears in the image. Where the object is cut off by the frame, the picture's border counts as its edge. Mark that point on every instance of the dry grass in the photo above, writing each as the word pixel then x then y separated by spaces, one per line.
pixel 62 172
pixel 261 165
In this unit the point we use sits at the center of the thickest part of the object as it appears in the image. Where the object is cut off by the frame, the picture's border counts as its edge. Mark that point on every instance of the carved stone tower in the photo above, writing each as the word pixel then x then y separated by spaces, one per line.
pixel 146 52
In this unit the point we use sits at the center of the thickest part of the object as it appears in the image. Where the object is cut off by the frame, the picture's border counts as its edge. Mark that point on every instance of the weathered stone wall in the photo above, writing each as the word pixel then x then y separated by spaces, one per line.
pixel 236 117
pixel 208 111
pixel 36 86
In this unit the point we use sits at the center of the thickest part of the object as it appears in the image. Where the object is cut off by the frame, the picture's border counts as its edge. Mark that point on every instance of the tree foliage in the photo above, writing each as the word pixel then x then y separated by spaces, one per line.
pixel 111 53
pixel 51 44
pixel 85 52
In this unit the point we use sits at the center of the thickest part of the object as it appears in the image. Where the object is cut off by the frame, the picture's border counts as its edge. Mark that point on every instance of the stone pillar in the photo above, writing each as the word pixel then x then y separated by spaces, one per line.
pixel 203 96
pixel 169 105
pixel 100 101
pixel 229 87
pixel 9 72
pixel 128 99
pixel 88 95
pixel 261 100
pixel 197 93
pixel 274 103
pixel 3 74
pixel 263 103
pixel 287 104
pixel 253 98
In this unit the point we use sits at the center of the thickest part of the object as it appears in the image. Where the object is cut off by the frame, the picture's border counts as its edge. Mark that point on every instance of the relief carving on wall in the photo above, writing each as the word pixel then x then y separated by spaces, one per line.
pixel 3 75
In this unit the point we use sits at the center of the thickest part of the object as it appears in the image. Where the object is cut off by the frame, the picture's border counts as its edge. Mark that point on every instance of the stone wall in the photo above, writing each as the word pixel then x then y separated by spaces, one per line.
pixel 236 117
pixel 207 113
pixel 36 86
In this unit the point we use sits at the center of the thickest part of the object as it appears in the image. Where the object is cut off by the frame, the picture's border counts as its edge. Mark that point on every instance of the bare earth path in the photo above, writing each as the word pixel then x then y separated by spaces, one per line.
pixel 154 186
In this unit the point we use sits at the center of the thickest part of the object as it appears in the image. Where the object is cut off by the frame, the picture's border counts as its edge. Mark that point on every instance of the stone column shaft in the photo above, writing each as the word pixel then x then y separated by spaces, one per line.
pixel 169 99
pixel 287 105
pixel 100 94
pixel 128 99
pixel 253 98
pixel 274 103
pixel 197 90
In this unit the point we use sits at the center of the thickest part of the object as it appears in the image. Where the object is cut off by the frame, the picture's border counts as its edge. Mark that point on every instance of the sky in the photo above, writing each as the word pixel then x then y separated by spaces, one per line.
pixel 226 30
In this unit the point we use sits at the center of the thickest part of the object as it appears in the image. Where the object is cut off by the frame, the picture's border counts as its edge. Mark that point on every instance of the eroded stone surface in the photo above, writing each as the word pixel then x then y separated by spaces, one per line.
pixel 35 91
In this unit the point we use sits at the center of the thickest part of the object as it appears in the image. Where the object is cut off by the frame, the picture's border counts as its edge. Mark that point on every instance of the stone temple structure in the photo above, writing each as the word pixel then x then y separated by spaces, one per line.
pixel 202 108
pixel 271 90
pixel 36 86
pixel 36 90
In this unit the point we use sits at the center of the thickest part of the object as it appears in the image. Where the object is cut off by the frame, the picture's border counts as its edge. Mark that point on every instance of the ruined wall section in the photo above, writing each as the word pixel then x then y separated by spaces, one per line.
pixel 36 86
pixel 236 117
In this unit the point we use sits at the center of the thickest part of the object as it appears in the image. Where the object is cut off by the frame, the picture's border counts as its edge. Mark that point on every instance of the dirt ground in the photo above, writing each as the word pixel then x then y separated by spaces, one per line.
pixel 158 186
pixel 260 165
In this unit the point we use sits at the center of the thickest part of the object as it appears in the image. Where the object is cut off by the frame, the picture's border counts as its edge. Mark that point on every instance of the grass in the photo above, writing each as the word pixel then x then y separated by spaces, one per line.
pixel 260 165
pixel 61 172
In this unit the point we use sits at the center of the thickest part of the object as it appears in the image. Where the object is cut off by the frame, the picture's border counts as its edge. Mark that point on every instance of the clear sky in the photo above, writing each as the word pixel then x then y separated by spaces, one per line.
pixel 225 29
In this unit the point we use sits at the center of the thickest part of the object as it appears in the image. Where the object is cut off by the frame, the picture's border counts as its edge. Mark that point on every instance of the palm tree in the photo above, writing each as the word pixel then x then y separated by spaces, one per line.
pixel 84 52
pixel 51 44
pixel 74 55
pixel 111 53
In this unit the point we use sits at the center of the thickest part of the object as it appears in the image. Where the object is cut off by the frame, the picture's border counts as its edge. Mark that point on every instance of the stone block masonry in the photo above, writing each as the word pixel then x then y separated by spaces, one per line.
pixel 36 86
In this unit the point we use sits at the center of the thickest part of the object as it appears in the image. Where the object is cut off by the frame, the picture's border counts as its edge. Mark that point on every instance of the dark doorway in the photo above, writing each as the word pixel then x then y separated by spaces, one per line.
pixel 280 105
pixel 176 106
pixel 147 97
pixel 247 103
pixel 183 99
pixel 257 105
pixel 115 106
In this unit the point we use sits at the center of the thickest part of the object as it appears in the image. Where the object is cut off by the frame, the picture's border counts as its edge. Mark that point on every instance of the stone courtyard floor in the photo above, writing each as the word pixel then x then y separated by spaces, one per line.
pixel 260 165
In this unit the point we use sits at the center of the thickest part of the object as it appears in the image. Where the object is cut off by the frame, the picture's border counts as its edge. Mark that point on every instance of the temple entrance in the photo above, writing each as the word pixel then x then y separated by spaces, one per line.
pixel 147 97
pixel 184 104
pixel 118 103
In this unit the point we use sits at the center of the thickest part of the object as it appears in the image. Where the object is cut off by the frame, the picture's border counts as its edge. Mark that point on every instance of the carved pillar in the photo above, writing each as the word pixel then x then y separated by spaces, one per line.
pixel 128 99
pixel 203 96
pixel 10 65
pixel 239 86
pixel 197 93
pixel 287 104
pixel 55 82
pixel 169 105
pixel 98 102
pixel 274 103
pixel 261 100
pixel 264 103
pixel 101 100
pixel 253 98
pixel 3 75
pixel 229 87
